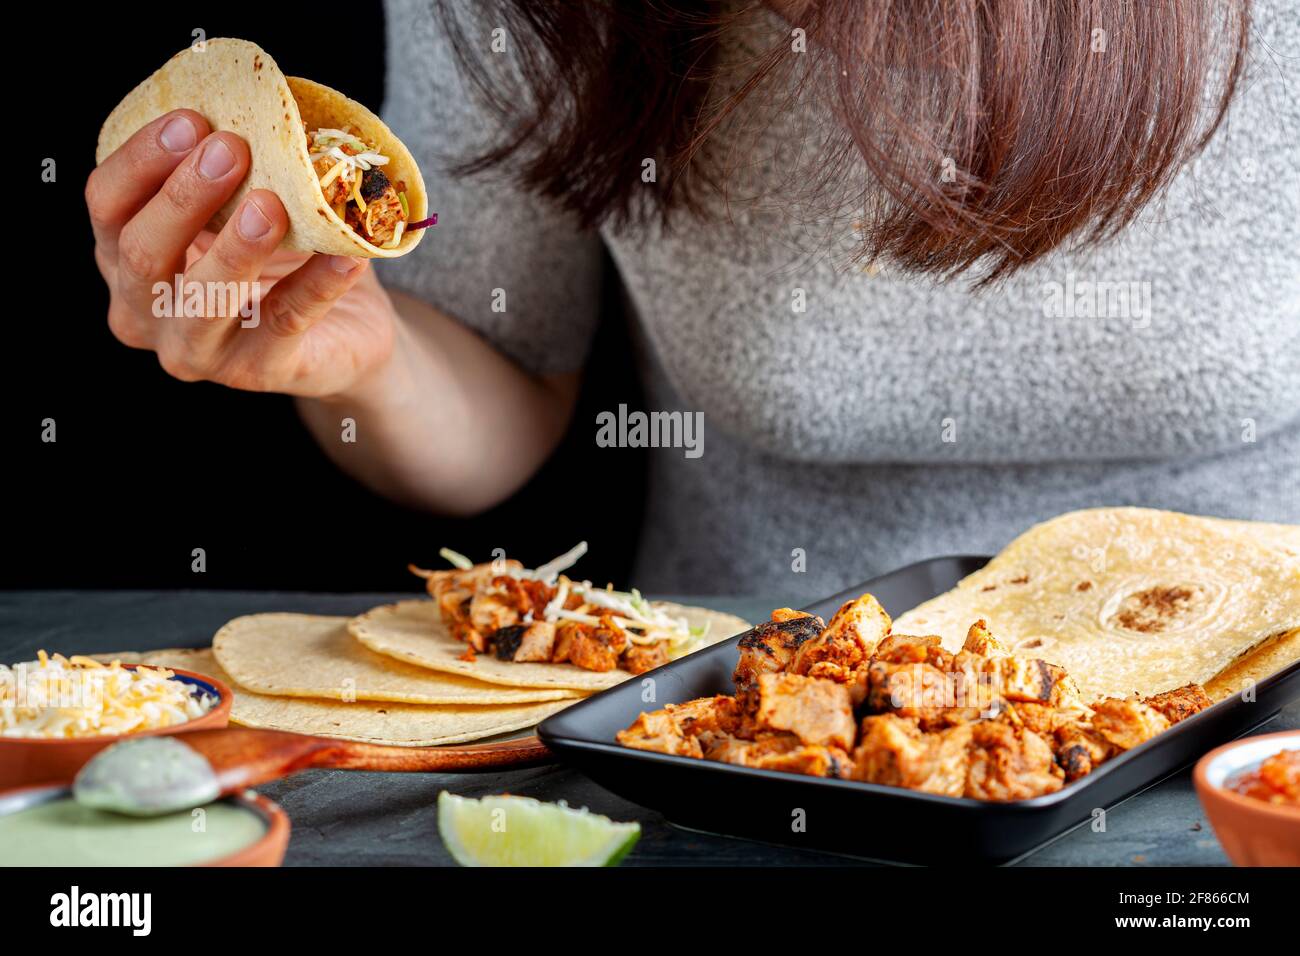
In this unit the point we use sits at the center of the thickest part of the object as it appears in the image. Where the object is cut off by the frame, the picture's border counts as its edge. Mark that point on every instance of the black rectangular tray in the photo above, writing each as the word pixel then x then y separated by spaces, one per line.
pixel 864 819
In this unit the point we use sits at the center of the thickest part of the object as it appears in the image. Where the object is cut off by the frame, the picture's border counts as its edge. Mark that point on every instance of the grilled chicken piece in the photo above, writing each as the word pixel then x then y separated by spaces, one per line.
pixel 816 711
pixel 525 642
pixel 524 595
pixel 462 630
pixel 453 590
pixel 780 752
pixel 1042 719
pixel 770 647
pixel 1009 762
pixel 679 728
pixel 1180 703
pixel 383 212
pixel 923 692
pixel 897 649
pixel 1020 679
pixel 639 658
pixel 490 610
pixel 846 643
pixel 660 731
pixel 710 715
pixel 910 649
pixel 337 192
pixel 453 603
pixel 593 647
pixel 1080 751
pixel 1127 722
pixel 980 640
pixel 893 750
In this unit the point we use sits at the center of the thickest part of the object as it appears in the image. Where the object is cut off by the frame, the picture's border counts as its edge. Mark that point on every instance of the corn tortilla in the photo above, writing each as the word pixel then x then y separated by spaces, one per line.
pixel 1254 667
pixel 376 722
pixel 310 655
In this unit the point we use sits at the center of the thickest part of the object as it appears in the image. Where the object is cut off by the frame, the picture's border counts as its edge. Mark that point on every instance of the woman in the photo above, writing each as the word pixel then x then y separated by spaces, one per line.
pixel 930 272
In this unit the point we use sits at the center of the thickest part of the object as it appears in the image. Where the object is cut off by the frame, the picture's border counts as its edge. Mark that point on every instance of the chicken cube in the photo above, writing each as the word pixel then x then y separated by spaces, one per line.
pixel 661 732
pixel 893 750
pixel 909 649
pixel 1009 762
pixel 769 648
pixel 846 643
pixel 525 642
pixel 1021 679
pixel 1042 719
pixel 710 715
pixel 1127 722
pixel 1180 703
pixel 1079 751
pixel 595 647
pixel 639 658
pixel 818 712
pixel 921 691
pixel 783 752
pixel 980 640
pixel 490 610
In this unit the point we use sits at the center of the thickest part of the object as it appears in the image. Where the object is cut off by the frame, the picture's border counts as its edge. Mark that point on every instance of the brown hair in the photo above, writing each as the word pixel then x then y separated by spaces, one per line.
pixel 991 131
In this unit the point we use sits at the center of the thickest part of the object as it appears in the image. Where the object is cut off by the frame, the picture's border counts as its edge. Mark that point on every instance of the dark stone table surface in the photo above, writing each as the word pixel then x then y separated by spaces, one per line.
pixel 343 818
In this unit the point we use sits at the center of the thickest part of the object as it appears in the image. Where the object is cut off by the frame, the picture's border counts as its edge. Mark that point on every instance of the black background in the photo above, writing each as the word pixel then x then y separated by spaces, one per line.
pixel 146 468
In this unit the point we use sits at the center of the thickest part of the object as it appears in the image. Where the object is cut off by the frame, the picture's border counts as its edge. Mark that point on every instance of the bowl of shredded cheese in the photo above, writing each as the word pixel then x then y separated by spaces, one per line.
pixel 57 712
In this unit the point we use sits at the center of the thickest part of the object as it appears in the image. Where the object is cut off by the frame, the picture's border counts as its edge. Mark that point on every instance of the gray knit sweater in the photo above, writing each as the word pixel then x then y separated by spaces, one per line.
pixel 894 419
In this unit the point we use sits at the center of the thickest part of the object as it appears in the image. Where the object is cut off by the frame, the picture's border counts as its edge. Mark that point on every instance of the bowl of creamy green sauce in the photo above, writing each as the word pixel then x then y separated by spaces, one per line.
pixel 46 826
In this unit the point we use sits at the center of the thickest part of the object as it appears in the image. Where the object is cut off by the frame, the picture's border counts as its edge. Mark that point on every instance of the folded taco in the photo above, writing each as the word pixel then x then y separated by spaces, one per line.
pixel 349 185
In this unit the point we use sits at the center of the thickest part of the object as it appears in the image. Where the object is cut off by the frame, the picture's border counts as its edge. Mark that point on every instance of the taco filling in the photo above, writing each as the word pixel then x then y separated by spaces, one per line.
pixel 354 185
pixel 540 615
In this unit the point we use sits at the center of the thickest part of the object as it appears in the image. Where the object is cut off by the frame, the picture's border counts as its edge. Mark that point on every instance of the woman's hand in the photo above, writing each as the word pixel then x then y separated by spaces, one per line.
pixel 311 326
pixel 448 422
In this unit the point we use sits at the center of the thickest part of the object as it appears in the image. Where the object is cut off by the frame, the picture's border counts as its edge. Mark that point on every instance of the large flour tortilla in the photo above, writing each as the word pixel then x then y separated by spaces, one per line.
pixel 308 655
pixel 413 631
pixel 1247 671
pixel 1129 600
pixel 404 725
pixel 238 88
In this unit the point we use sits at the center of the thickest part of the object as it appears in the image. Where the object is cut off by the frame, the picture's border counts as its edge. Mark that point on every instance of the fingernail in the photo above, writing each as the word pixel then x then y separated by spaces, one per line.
pixel 253 223
pixel 178 135
pixel 217 160
pixel 343 264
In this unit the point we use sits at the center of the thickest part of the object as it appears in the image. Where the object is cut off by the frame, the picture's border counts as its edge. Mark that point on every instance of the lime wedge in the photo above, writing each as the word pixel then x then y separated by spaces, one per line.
pixel 521 831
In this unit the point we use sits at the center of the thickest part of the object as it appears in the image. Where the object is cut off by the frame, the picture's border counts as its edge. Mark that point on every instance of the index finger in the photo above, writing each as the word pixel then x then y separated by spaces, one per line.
pixel 128 178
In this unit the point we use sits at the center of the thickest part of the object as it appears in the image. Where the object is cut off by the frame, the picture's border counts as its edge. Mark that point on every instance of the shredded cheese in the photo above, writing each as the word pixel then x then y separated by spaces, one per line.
pixel 54 697
pixel 334 172
pixel 356 193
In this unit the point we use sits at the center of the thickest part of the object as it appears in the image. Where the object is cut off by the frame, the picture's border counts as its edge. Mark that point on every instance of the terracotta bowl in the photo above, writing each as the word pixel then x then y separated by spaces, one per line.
pixel 27 761
pixel 1253 833
pixel 267 851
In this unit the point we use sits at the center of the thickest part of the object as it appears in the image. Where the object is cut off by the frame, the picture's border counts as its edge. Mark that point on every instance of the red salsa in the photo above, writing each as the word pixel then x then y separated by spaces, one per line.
pixel 1276 780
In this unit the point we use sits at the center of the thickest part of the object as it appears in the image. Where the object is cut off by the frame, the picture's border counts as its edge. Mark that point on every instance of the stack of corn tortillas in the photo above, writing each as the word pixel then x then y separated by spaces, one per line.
pixel 1131 600
pixel 393 675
